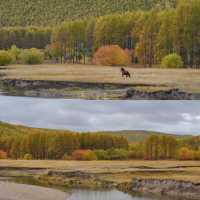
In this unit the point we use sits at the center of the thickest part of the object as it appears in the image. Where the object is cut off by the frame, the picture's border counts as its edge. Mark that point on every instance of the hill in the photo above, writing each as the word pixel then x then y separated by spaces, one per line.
pixel 47 12
pixel 132 136
pixel 139 135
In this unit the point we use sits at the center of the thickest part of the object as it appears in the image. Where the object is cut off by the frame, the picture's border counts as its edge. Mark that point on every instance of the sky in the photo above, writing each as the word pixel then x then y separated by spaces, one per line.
pixel 179 117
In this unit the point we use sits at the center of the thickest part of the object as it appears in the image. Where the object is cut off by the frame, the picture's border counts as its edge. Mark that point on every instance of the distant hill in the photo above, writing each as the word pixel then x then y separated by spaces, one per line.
pixel 138 136
pixel 48 12
pixel 8 129
pixel 132 136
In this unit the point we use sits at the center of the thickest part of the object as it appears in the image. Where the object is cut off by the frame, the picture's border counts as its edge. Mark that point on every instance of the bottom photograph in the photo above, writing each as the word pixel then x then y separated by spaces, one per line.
pixel 62 149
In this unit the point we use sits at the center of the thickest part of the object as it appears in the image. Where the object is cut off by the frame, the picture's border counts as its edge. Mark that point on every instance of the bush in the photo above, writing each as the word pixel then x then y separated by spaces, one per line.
pixel 84 155
pixel 15 52
pixel 102 155
pixel 28 156
pixel 3 154
pixel 66 157
pixel 185 154
pixel 197 155
pixel 172 61
pixel 118 154
pixel 111 55
pixel 32 56
pixel 5 58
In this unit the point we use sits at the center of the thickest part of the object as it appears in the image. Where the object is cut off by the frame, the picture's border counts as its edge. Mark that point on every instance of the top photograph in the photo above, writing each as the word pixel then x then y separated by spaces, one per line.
pixel 100 49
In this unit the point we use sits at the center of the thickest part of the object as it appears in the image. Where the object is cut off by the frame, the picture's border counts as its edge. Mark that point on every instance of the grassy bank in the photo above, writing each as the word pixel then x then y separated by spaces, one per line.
pixel 146 79
pixel 110 171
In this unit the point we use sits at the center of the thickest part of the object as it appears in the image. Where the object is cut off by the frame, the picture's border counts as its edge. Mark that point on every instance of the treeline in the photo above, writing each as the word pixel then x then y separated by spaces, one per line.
pixel 51 12
pixel 147 36
pixel 25 37
pixel 43 145
pixel 26 143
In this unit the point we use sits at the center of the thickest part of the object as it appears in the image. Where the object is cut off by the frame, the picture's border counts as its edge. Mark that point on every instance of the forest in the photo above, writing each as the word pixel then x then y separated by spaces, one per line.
pixel 18 142
pixel 148 37
pixel 52 12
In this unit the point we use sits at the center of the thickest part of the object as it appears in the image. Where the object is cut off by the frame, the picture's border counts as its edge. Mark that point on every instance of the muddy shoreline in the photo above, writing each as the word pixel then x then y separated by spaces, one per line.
pixel 92 91
pixel 71 179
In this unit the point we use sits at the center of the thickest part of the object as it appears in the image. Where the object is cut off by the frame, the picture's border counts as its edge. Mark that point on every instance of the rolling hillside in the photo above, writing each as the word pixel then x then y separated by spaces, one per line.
pixel 139 135
pixel 47 12
pixel 132 136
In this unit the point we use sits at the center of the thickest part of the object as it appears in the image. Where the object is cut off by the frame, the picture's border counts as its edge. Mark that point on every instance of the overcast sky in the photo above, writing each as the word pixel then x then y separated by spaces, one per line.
pixel 180 117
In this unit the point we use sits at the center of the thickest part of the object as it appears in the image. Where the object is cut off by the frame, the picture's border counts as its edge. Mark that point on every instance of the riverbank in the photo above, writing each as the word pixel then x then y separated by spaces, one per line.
pixel 15 191
pixel 99 82
pixel 168 178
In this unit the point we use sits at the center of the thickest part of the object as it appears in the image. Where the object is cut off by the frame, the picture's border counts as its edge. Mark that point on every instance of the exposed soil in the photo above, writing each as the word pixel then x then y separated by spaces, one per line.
pixel 112 91
pixel 124 179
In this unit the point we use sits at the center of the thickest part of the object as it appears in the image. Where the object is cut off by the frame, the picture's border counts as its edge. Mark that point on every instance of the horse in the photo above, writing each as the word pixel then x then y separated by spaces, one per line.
pixel 125 73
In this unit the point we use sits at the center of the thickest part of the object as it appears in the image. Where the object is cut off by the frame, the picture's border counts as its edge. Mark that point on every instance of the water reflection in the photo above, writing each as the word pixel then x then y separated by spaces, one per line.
pixel 103 195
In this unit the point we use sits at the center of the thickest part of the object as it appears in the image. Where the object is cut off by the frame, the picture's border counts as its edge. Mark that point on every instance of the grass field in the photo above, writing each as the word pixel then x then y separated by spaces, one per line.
pixel 154 78
pixel 119 171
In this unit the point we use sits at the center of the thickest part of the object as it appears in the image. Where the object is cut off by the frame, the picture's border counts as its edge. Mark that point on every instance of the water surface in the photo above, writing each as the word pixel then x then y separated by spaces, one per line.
pixel 15 191
pixel 104 195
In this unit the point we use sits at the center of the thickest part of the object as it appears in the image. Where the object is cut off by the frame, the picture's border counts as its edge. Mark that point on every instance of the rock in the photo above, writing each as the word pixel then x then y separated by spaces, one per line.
pixel 172 94
pixel 182 189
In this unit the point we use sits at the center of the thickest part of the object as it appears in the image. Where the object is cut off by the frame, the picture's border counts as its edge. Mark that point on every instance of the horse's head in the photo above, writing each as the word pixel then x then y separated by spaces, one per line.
pixel 122 69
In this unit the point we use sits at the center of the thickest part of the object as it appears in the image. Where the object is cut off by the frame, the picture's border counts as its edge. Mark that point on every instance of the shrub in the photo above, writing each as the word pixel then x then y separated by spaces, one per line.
pixel 111 55
pixel 3 154
pixel 66 157
pixel 32 56
pixel 28 156
pixel 15 52
pixel 5 58
pixel 172 61
pixel 197 155
pixel 84 155
pixel 118 154
pixel 90 155
pixel 185 154
pixel 102 155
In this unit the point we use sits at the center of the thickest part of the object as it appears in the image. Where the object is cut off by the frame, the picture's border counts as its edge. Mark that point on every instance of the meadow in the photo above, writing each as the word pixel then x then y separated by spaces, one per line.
pixel 147 79
pixel 117 171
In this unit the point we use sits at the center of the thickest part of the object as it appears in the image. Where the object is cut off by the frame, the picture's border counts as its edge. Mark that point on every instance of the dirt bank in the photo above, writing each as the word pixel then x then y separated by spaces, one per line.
pixel 83 90
pixel 130 179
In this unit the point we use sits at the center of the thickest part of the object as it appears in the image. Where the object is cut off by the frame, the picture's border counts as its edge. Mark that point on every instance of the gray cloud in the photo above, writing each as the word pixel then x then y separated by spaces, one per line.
pixel 168 116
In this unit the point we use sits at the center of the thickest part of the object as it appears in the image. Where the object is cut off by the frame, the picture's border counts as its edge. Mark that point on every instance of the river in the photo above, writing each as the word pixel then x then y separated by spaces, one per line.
pixel 15 191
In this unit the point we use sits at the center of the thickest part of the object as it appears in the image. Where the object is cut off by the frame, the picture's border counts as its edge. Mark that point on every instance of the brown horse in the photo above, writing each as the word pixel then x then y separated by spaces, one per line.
pixel 125 73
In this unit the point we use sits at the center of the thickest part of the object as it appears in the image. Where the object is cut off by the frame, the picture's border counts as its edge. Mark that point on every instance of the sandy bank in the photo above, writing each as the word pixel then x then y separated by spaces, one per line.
pixel 13 191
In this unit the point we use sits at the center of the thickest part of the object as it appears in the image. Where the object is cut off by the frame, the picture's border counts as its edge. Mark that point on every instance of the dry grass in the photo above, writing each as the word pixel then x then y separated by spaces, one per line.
pixel 120 171
pixel 185 79
pixel 100 165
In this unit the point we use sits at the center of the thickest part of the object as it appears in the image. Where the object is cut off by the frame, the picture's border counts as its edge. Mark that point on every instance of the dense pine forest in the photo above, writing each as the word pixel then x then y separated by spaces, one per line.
pixel 167 35
pixel 19 142
pixel 49 12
